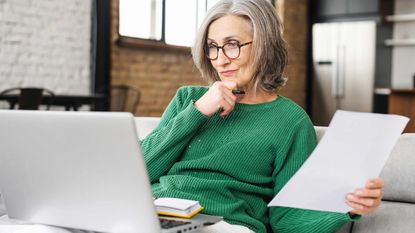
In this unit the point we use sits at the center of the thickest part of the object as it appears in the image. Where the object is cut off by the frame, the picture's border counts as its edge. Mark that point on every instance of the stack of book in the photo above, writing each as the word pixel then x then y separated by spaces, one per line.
pixel 177 207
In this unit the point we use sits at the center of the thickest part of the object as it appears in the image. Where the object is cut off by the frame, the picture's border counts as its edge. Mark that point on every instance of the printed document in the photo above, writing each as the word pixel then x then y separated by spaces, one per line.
pixel 354 149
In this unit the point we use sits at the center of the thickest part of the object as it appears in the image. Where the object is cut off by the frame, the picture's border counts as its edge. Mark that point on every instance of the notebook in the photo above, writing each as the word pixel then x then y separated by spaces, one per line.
pixel 82 170
pixel 177 207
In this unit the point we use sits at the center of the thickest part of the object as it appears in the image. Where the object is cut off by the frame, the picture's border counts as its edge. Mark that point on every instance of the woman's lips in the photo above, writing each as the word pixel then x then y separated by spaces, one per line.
pixel 228 73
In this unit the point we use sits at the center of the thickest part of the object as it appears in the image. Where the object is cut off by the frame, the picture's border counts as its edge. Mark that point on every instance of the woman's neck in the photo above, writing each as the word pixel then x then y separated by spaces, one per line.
pixel 258 97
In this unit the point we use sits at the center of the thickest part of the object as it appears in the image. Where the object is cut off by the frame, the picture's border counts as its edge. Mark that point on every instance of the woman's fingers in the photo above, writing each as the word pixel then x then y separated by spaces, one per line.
pixel 366 200
pixel 362 206
pixel 370 193
pixel 218 98
pixel 375 183
pixel 230 85
pixel 229 101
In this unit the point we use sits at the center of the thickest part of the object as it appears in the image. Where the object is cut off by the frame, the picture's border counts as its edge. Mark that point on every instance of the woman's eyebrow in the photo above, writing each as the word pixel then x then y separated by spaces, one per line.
pixel 226 39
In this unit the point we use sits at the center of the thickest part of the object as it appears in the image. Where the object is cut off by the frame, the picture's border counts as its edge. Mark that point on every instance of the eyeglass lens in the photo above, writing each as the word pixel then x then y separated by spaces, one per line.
pixel 231 50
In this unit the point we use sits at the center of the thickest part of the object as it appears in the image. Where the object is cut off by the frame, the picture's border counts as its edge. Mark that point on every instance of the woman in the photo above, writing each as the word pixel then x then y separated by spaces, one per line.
pixel 233 145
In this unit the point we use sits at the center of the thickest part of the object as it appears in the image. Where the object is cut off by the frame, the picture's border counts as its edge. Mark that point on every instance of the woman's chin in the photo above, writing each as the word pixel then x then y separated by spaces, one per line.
pixel 231 79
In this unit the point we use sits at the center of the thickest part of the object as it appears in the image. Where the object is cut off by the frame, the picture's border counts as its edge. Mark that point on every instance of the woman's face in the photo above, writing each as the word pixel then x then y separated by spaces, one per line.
pixel 234 30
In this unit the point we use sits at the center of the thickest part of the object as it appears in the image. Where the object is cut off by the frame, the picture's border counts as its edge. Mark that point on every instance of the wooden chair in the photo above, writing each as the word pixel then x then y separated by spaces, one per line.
pixel 124 98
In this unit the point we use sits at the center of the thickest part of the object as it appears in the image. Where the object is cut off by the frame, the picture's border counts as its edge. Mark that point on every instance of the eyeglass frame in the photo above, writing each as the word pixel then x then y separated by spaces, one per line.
pixel 223 51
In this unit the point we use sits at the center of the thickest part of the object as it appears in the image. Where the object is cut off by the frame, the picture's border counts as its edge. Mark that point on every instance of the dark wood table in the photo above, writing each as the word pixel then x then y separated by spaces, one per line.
pixel 70 102
pixel 402 102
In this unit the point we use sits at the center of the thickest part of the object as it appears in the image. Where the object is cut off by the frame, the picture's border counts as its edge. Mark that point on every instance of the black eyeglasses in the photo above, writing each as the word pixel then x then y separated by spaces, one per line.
pixel 230 49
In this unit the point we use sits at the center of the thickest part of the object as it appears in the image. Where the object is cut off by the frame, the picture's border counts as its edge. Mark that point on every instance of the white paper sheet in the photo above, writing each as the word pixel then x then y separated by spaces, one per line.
pixel 354 149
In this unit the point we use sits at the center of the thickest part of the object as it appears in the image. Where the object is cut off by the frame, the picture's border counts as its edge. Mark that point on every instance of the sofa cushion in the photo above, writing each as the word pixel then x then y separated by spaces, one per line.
pixel 346 228
pixel 320 130
pixel 399 171
pixel 144 125
pixel 390 217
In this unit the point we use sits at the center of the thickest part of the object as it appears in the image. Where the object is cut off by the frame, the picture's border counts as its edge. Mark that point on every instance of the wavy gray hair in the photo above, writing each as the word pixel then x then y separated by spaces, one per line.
pixel 270 56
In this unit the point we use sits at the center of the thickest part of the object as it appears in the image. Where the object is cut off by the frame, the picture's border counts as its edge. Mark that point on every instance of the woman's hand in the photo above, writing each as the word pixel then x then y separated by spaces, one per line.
pixel 218 98
pixel 366 200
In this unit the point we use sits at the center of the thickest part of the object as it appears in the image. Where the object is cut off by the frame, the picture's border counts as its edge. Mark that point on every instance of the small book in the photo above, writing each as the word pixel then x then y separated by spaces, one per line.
pixel 177 207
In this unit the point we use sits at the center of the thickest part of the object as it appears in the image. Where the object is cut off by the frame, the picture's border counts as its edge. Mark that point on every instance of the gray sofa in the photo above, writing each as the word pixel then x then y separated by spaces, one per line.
pixel 397 211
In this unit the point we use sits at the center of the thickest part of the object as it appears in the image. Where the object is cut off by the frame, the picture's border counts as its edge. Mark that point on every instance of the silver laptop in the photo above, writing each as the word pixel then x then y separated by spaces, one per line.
pixel 81 170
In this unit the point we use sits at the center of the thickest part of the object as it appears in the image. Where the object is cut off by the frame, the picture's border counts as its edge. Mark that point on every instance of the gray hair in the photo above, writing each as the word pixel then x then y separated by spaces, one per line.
pixel 270 56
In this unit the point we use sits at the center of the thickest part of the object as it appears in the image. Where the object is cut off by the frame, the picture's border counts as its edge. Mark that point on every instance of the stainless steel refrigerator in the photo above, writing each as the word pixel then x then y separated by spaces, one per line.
pixel 344 68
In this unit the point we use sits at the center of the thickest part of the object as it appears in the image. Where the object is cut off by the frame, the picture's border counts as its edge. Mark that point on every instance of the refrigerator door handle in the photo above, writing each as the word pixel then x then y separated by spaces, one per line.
pixel 337 84
pixel 342 72
pixel 335 73
pixel 324 62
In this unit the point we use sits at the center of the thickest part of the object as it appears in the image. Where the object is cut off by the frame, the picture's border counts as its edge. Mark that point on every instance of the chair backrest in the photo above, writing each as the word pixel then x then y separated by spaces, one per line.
pixel 30 98
pixel 124 98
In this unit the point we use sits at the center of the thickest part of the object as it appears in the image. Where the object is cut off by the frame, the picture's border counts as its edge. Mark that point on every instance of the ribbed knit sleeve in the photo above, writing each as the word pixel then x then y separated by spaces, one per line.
pixel 164 145
pixel 283 219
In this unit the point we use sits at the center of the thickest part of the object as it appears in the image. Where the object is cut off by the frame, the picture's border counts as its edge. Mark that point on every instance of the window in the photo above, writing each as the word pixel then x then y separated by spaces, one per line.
pixel 176 24
pixel 141 19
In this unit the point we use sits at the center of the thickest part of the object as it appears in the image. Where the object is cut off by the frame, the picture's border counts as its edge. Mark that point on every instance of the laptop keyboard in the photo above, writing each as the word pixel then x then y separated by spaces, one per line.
pixel 170 223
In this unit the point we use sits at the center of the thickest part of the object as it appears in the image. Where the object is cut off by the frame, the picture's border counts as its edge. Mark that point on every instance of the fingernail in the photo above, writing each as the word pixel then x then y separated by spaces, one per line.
pixel 359 192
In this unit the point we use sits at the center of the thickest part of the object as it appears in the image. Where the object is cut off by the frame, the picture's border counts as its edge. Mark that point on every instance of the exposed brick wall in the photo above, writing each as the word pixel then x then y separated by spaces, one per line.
pixel 159 73
pixel 46 43
pixel 294 16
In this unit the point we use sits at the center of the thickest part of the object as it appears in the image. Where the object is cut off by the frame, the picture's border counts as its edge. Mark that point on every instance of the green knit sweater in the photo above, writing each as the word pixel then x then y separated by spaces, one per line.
pixel 235 165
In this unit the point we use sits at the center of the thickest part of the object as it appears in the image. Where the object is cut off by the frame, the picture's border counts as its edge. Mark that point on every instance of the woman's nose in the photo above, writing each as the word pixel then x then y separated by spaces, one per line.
pixel 222 58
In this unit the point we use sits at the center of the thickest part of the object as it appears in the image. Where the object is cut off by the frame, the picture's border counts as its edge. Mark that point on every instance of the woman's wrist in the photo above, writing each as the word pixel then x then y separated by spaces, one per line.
pixel 198 109
pixel 195 104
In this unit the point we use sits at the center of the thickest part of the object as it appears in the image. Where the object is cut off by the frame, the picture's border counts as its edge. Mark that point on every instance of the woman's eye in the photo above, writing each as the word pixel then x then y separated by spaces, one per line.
pixel 232 44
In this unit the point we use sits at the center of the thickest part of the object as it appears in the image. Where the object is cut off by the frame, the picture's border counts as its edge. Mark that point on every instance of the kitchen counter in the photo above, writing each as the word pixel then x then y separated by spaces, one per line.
pixel 402 91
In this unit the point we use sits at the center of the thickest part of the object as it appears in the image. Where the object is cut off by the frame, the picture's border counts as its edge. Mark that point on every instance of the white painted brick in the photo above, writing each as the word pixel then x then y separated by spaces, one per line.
pixel 46 43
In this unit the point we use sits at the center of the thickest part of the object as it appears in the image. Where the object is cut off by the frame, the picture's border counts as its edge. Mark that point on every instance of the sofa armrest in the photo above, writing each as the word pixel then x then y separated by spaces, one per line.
pixel 144 125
